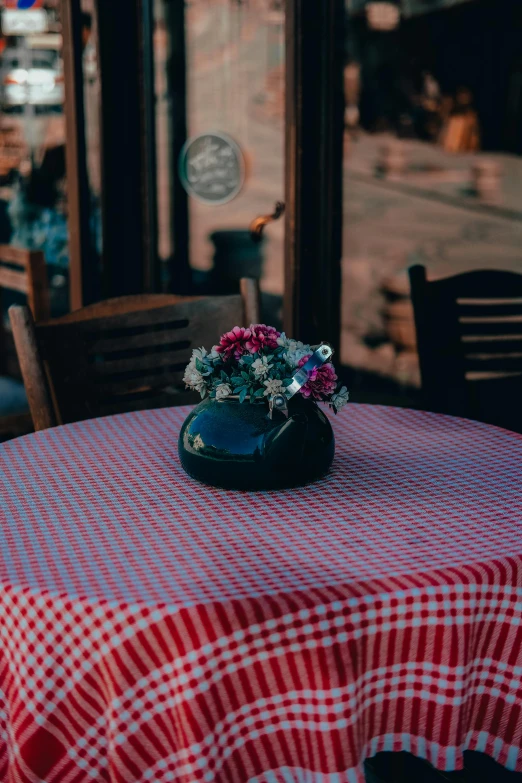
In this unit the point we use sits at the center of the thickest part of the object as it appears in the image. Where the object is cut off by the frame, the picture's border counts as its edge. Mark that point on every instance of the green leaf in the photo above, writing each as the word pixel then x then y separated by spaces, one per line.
pixel 287 381
pixel 243 394
pixel 200 367
pixel 237 380
pixel 245 375
pixel 239 389
pixel 259 393
pixel 224 377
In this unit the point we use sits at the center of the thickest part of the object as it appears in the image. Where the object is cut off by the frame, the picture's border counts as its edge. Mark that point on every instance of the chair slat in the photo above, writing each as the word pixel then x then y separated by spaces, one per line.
pixel 15 255
pixel 14 280
pixel 107 345
pixel 488 363
pixel 123 304
pixel 137 364
pixel 497 326
pixel 479 284
pixel 153 380
pixel 492 344
pixel 226 309
pixel 29 277
pixel 486 310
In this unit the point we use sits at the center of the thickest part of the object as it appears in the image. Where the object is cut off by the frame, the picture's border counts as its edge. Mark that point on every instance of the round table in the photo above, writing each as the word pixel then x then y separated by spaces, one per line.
pixel 156 629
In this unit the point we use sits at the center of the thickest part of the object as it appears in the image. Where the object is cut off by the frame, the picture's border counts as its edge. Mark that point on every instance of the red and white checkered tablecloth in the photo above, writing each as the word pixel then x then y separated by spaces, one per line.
pixel 152 629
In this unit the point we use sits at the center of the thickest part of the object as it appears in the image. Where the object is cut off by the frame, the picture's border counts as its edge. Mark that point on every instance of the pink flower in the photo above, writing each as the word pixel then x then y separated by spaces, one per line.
pixel 262 336
pixel 232 344
pixel 322 381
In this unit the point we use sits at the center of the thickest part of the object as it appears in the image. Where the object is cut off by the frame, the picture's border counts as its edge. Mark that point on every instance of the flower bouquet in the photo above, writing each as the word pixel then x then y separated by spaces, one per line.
pixel 257 363
pixel 258 425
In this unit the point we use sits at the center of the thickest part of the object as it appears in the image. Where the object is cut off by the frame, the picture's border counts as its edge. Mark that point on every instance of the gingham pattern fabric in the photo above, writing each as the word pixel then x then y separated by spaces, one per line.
pixel 153 629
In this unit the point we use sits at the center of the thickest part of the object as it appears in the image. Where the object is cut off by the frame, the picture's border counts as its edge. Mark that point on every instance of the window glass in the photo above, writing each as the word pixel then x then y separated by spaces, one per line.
pixel 232 92
pixel 433 138
pixel 33 201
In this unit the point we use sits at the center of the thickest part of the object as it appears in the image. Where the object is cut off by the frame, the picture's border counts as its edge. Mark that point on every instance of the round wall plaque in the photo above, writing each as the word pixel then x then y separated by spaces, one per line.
pixel 212 168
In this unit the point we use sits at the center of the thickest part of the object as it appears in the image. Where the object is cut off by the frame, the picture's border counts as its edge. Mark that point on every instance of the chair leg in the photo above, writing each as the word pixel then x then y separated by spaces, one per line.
pixel 33 372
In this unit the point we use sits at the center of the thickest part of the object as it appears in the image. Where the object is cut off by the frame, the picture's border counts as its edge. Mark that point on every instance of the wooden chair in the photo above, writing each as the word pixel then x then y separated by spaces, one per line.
pixel 22 271
pixel 469 341
pixel 122 354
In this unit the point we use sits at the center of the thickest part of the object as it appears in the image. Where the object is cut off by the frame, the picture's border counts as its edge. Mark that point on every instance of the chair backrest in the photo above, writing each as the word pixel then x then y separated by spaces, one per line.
pixel 122 354
pixel 23 271
pixel 469 341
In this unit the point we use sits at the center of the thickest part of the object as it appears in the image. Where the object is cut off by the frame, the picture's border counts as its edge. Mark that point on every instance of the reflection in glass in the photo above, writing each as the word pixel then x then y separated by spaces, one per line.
pixel 432 171
pixel 32 150
pixel 234 86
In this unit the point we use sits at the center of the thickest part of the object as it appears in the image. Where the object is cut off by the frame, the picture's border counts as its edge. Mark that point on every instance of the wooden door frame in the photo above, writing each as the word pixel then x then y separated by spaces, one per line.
pixel 128 154
pixel 81 273
pixel 314 125
pixel 128 138
pixel 180 274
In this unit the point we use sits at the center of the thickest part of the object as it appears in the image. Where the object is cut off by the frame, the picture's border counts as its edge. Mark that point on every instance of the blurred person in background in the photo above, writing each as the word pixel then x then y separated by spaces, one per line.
pixel 461 132
pixel 352 91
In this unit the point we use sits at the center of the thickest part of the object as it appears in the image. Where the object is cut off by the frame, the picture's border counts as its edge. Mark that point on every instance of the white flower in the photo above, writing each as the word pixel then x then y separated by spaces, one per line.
pixel 198 353
pixel 273 386
pixel 213 355
pixel 223 390
pixel 193 379
pixel 295 354
pixel 201 355
pixel 340 398
pixel 295 350
pixel 261 367
pixel 283 341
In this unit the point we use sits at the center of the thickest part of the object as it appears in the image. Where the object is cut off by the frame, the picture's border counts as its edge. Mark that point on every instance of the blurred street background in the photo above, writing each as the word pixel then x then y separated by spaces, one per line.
pixel 432 152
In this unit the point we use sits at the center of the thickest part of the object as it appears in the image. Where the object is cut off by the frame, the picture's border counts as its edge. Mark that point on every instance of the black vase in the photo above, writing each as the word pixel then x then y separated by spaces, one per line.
pixel 236 445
